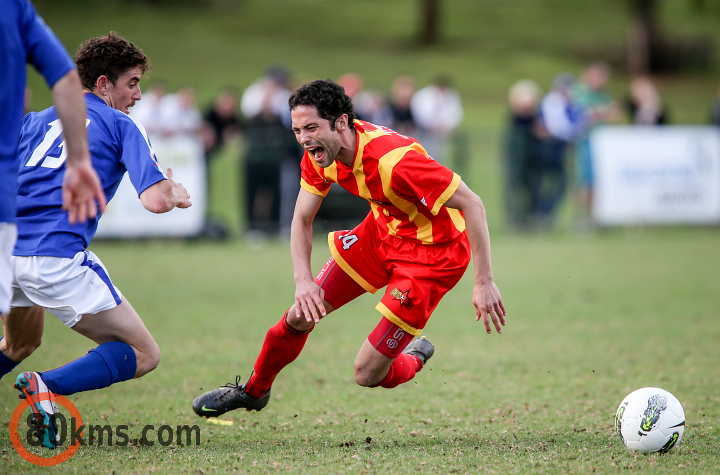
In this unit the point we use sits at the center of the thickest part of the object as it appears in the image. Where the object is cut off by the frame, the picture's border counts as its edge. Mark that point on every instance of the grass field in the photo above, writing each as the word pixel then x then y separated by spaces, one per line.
pixel 590 319
pixel 591 316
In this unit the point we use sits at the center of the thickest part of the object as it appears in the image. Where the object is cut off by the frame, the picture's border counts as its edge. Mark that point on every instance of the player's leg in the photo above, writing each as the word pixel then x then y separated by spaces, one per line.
pixel 22 335
pixel 23 329
pixel 387 358
pixel 8 235
pixel 421 275
pixel 282 345
pixel 79 292
pixel 123 324
pixel 126 350
pixel 284 342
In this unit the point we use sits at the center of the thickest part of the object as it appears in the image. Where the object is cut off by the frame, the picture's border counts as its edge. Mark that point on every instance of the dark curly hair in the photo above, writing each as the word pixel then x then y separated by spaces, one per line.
pixel 109 56
pixel 327 97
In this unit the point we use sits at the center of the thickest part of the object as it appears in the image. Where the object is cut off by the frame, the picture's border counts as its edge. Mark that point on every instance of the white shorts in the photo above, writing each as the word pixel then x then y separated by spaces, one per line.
pixel 8 235
pixel 67 288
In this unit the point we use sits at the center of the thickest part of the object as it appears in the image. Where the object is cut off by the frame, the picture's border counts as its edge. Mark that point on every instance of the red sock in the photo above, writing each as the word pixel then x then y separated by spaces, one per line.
pixel 281 346
pixel 402 370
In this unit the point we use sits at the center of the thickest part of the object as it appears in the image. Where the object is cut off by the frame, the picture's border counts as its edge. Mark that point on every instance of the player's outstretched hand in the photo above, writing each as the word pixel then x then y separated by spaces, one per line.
pixel 487 301
pixel 182 197
pixel 82 192
pixel 309 301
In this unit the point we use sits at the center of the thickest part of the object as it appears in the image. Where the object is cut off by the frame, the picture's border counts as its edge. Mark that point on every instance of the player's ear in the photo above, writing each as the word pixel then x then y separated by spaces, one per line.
pixel 102 84
pixel 342 122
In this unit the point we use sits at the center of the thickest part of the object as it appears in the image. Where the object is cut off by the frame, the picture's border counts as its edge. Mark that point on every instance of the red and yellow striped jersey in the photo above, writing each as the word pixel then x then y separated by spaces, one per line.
pixel 405 187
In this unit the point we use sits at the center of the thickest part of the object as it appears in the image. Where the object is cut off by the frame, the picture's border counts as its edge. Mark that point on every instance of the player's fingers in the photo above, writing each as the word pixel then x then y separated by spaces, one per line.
pixel 320 305
pixel 81 212
pixel 486 322
pixel 91 208
pixel 500 310
pixel 169 173
pixel 315 313
pixel 66 197
pixel 496 321
pixel 305 311
pixel 100 197
pixel 72 213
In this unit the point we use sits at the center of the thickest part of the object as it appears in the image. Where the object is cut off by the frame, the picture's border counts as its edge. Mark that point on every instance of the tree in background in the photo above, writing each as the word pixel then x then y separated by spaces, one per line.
pixel 650 49
pixel 429 21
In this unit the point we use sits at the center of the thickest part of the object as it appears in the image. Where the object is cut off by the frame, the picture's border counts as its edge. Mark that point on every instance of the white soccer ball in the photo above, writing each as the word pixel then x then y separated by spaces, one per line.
pixel 650 420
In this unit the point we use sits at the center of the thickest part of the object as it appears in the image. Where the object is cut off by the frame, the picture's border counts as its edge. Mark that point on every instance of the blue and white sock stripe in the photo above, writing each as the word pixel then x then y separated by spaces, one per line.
pixel 100 271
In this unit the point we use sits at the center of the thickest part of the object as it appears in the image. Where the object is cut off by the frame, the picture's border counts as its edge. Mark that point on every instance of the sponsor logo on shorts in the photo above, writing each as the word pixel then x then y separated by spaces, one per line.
pixel 403 297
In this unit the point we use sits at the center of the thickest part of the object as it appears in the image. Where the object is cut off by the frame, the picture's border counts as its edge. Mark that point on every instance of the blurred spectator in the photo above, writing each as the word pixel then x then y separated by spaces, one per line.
pixel 352 83
pixel 369 104
pixel 437 111
pixel 272 156
pixel 165 115
pixel 221 125
pixel 521 150
pixel 403 88
pixel 563 122
pixel 180 115
pixel 150 110
pixel 644 105
pixel 269 94
pixel 222 120
pixel 598 108
pixel 562 116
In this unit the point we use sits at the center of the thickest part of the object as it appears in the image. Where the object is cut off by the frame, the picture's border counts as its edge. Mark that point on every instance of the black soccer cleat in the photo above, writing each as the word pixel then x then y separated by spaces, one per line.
pixel 421 348
pixel 227 398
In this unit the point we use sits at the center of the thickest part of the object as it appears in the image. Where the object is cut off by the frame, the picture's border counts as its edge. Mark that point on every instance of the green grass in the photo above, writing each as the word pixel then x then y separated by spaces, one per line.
pixel 590 320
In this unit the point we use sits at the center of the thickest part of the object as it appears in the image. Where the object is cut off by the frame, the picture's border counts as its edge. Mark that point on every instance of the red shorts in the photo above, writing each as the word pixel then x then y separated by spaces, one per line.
pixel 417 276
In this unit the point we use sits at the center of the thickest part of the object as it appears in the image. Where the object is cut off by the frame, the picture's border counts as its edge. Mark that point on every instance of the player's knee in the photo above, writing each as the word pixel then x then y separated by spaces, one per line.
pixel 366 375
pixel 298 323
pixel 147 360
pixel 18 352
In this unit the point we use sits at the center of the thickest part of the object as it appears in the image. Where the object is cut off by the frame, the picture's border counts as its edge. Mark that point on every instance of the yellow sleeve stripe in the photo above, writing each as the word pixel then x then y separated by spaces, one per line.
pixel 346 267
pixel 457 219
pixel 449 191
pixel 397 320
pixel 311 189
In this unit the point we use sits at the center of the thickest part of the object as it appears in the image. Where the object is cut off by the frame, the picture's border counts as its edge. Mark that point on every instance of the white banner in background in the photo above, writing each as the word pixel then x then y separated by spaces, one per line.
pixel 125 216
pixel 656 175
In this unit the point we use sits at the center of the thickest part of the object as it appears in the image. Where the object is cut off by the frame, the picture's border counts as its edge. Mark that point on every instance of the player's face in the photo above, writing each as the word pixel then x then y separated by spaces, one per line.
pixel 126 90
pixel 315 135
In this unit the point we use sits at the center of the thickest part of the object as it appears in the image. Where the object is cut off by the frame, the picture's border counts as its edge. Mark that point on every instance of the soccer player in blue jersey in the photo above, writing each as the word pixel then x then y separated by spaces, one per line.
pixel 25 38
pixel 54 271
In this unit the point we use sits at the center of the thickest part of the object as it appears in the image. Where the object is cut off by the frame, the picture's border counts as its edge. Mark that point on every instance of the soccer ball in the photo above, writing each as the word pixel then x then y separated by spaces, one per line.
pixel 650 420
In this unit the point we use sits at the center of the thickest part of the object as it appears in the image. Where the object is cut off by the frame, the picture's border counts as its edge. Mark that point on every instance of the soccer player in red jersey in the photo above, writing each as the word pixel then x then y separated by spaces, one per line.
pixel 417 241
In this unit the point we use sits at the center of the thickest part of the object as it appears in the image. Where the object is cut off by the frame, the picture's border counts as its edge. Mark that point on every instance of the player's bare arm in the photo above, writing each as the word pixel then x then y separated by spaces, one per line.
pixel 308 295
pixel 82 191
pixel 165 195
pixel 486 296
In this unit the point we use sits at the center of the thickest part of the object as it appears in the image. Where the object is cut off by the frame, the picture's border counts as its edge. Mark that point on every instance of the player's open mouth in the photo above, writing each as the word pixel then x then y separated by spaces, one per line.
pixel 318 153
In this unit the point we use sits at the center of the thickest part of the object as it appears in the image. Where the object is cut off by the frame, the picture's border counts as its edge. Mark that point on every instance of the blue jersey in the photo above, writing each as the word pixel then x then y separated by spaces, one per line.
pixel 117 144
pixel 24 38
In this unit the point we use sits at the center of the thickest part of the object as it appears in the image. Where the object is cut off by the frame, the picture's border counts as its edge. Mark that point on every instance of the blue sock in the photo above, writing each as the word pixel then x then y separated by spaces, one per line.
pixel 107 364
pixel 6 364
